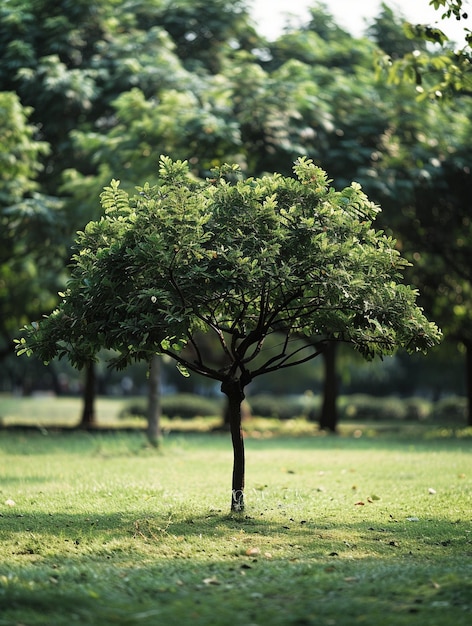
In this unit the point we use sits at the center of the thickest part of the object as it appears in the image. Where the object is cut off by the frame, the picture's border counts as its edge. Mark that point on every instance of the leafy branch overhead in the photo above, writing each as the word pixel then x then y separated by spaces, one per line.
pixel 242 259
pixel 436 72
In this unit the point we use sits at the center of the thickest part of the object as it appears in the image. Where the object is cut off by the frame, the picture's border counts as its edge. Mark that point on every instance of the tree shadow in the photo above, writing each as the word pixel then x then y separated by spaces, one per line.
pixel 135 568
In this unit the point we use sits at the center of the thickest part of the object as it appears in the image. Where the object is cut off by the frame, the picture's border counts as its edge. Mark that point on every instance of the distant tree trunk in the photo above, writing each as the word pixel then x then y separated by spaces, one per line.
pixel 153 430
pixel 329 413
pixel 468 381
pixel 88 419
pixel 235 394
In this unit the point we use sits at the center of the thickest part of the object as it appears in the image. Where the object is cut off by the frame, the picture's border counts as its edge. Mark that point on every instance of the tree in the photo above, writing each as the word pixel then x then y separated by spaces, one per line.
pixel 240 259
pixel 32 246
pixel 423 182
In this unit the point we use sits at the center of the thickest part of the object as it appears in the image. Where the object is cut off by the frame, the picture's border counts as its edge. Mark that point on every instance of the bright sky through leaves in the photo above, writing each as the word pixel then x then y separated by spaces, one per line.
pixel 270 15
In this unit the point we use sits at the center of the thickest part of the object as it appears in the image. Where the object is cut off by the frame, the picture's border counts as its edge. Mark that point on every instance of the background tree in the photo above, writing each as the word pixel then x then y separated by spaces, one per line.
pixel 32 246
pixel 239 259
pixel 423 182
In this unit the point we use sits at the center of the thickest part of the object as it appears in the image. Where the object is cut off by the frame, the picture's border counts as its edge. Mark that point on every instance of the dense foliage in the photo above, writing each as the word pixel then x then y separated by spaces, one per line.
pixel 103 87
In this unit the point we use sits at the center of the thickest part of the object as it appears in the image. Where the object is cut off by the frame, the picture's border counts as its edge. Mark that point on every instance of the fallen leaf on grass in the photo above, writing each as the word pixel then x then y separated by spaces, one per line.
pixel 412 519
pixel 360 503
pixel 431 491
pixel 252 551
pixel 10 502
pixel 211 581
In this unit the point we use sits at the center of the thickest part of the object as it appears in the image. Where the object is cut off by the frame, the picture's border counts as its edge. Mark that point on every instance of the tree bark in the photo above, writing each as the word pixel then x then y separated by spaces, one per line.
pixel 329 413
pixel 468 381
pixel 88 419
pixel 235 394
pixel 153 430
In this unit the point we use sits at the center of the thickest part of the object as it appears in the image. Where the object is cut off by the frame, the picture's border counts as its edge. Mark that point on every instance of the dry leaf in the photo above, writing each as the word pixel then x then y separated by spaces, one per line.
pixel 10 502
pixel 360 503
pixel 431 491
pixel 211 581
pixel 252 551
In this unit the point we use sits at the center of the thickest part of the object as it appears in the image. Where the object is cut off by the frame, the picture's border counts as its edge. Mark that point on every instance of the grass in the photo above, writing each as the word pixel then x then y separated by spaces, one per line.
pixel 101 529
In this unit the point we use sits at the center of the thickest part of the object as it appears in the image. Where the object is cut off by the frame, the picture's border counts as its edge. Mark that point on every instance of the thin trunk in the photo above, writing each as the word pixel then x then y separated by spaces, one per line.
pixel 235 395
pixel 329 413
pixel 468 382
pixel 88 420
pixel 226 420
pixel 153 430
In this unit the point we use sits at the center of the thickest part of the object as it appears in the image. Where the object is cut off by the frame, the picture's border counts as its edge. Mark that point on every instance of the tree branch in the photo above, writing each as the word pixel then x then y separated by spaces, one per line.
pixel 281 360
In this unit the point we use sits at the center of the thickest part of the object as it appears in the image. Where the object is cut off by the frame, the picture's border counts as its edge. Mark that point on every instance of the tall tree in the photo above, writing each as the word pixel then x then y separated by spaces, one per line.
pixel 32 239
pixel 423 182
pixel 240 259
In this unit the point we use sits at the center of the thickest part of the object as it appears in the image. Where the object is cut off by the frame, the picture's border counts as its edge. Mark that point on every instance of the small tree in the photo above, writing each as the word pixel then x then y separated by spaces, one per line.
pixel 242 259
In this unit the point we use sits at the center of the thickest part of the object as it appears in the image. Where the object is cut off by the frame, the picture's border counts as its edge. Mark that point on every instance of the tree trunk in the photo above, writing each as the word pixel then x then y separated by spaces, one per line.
pixel 235 394
pixel 468 380
pixel 153 430
pixel 329 414
pixel 88 420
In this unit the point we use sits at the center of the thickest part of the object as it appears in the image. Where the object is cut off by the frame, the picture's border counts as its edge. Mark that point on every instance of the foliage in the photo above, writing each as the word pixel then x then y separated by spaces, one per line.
pixel 242 259
pixel 451 410
pixel 109 84
pixel 100 529
pixel 283 407
pixel 182 405
pixel 355 407
pixel 363 407
pixel 31 250
pixel 435 72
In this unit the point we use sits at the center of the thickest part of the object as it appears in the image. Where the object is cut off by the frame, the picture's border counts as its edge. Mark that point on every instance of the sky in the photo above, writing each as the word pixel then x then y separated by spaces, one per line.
pixel 270 15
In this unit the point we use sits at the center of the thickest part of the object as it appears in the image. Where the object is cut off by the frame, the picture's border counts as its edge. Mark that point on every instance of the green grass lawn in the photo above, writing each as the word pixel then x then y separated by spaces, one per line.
pixel 101 529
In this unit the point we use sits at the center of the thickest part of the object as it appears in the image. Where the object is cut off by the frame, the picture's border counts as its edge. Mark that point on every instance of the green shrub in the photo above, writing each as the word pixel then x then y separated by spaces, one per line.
pixel 283 407
pixel 417 409
pixel 452 409
pixel 183 405
pixel 372 408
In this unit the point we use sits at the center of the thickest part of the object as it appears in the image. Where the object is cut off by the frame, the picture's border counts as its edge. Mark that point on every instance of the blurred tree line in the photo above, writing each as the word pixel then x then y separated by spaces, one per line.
pixel 97 89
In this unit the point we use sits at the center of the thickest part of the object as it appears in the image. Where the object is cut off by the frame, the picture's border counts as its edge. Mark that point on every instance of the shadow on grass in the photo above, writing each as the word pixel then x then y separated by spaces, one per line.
pixel 209 568
pixel 232 535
